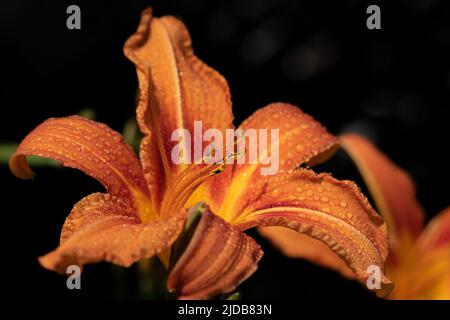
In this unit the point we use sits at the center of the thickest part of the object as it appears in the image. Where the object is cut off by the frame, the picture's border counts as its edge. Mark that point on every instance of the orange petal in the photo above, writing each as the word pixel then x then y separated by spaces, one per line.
pixel 213 190
pixel 218 258
pixel 102 228
pixel 297 245
pixel 153 170
pixel 422 270
pixel 437 233
pixel 176 87
pixel 91 147
pixel 391 187
pixel 331 211
pixel 301 139
pixel 431 279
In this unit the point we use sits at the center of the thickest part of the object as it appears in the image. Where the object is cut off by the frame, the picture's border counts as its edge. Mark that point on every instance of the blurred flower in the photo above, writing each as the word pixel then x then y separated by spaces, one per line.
pixel 142 212
pixel 419 258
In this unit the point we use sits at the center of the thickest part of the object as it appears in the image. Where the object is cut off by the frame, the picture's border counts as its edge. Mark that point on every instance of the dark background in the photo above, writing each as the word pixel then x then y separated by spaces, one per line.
pixel 390 84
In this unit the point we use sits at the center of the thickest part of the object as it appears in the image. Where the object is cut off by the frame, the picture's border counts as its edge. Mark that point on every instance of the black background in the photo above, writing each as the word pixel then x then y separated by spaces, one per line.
pixel 390 84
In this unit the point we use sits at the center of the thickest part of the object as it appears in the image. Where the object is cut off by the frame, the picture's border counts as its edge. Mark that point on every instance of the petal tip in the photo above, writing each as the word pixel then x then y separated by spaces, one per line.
pixel 19 167
pixel 52 262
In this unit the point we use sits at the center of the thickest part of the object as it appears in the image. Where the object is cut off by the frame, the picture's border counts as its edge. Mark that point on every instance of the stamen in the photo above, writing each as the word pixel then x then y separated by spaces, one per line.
pixel 188 181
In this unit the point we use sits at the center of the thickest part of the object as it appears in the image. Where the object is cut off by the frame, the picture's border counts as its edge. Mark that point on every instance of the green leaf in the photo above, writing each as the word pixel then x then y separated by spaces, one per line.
pixel 87 113
pixel 131 134
pixel 237 295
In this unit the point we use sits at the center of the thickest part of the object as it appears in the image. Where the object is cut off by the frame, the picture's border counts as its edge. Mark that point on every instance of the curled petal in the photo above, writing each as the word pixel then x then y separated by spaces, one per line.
pixel 391 187
pixel 102 228
pixel 91 147
pixel 331 211
pixel 218 258
pixel 301 139
pixel 176 87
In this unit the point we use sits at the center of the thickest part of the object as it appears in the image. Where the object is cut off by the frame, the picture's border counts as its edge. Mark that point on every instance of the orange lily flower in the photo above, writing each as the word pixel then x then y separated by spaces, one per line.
pixel 419 258
pixel 144 208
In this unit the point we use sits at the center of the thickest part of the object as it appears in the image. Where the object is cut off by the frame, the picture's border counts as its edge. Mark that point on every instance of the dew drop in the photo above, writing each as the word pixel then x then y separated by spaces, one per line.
pixel 275 192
